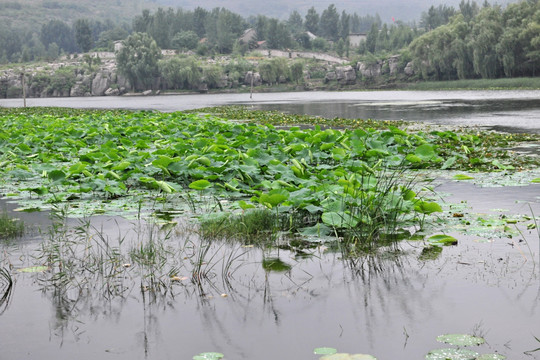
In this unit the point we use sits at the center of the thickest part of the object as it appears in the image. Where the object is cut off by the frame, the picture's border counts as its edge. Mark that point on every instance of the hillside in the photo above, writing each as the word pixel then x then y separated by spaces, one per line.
pixel 29 13
pixel 387 9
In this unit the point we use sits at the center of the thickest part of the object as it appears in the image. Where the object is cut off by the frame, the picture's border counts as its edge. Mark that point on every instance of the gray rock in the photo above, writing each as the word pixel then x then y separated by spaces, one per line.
pixel 330 76
pixel 409 69
pixel 393 63
pixel 100 84
pixel 257 80
pixel 147 92
pixel 370 70
pixel 112 92
pixel 346 75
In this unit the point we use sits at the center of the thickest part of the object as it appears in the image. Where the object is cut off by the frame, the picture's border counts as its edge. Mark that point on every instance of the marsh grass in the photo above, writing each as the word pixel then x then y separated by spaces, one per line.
pixel 10 227
pixel 478 84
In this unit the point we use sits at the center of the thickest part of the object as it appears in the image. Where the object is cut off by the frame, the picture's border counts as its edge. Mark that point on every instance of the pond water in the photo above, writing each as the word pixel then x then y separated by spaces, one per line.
pixel 513 111
pixel 392 305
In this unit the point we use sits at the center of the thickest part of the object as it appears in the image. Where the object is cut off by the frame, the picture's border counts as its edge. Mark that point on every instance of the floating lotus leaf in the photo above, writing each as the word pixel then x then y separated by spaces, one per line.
pixel 491 357
pixel 324 351
pixel 452 354
pixel 209 356
pixel 344 356
pixel 33 269
pixel 442 239
pixel 462 177
pixel 460 339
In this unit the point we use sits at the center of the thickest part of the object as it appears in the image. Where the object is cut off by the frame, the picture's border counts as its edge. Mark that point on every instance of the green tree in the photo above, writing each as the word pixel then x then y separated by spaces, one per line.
pixel 312 21
pixel 60 33
pixel 485 36
pixel 180 73
pixel 340 47
pixel 295 22
pixel 329 24
pixel 297 71
pixel 138 60
pixel 83 34
pixel 344 25
pixel 185 40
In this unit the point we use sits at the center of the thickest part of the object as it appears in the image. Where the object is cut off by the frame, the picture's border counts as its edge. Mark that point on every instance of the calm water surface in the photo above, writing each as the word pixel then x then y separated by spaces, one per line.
pixel 513 111
pixel 392 307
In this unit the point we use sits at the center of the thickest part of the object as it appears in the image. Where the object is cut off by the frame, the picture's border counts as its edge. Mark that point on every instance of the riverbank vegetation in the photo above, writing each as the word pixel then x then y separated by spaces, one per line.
pixel 468 42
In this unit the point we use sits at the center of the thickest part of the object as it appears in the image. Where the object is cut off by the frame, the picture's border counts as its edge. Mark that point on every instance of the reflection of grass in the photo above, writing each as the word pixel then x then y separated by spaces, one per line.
pixel 251 225
pixel 6 285
pixel 10 227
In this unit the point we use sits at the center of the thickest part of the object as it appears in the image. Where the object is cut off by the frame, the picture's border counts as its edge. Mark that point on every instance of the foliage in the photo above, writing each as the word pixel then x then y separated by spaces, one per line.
pixel 138 60
pixel 180 73
pixel 83 34
pixel 489 43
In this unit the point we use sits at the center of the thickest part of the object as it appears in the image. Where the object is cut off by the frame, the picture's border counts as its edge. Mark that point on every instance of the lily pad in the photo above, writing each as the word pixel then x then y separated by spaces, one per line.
pixel 345 356
pixel 209 356
pixel 462 177
pixel 460 339
pixel 324 351
pixel 34 269
pixel 451 354
pixel 491 357
pixel 442 240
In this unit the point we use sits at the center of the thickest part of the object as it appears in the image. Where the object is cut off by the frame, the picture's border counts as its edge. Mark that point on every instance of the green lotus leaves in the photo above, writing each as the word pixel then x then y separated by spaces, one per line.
pixel 33 269
pixel 460 339
pixel 491 357
pixel 452 354
pixel 443 240
pixel 339 219
pixel 200 184
pixel 209 356
pixel 345 356
pixel 324 351
pixel 426 207
pixel 462 177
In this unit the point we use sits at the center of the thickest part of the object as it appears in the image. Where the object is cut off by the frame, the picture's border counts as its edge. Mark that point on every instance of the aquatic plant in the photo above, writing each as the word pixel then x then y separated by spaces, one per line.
pixel 10 227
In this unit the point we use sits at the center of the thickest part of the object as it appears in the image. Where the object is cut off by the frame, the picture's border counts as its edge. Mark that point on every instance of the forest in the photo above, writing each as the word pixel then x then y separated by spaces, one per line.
pixel 468 42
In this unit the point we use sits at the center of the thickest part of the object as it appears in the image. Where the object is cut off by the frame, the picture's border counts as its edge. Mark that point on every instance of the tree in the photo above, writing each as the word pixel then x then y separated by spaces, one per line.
pixel 295 22
pixel 297 71
pixel 312 21
pixel 180 73
pixel 138 60
pixel 329 23
pixel 371 40
pixel 344 25
pixel 60 33
pixel 83 34
pixel 185 40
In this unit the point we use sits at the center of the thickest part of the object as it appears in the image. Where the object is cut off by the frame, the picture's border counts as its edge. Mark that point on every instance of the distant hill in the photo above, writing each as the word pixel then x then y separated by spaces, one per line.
pixel 29 13
pixel 387 9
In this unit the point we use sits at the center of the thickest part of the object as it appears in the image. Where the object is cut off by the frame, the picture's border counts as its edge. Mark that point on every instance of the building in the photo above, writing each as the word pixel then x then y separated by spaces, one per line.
pixel 356 39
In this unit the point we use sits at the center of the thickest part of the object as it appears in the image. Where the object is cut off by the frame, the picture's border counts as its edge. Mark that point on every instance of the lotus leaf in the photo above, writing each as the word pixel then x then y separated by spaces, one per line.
pixel 460 339
pixel 452 354
pixel 324 351
pixel 344 356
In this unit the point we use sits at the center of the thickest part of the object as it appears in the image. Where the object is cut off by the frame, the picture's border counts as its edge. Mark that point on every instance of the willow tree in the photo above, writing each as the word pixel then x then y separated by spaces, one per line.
pixel 138 60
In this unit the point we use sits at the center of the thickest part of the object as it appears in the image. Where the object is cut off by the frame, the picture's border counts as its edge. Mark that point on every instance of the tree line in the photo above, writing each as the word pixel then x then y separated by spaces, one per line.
pixel 481 42
pixel 470 41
